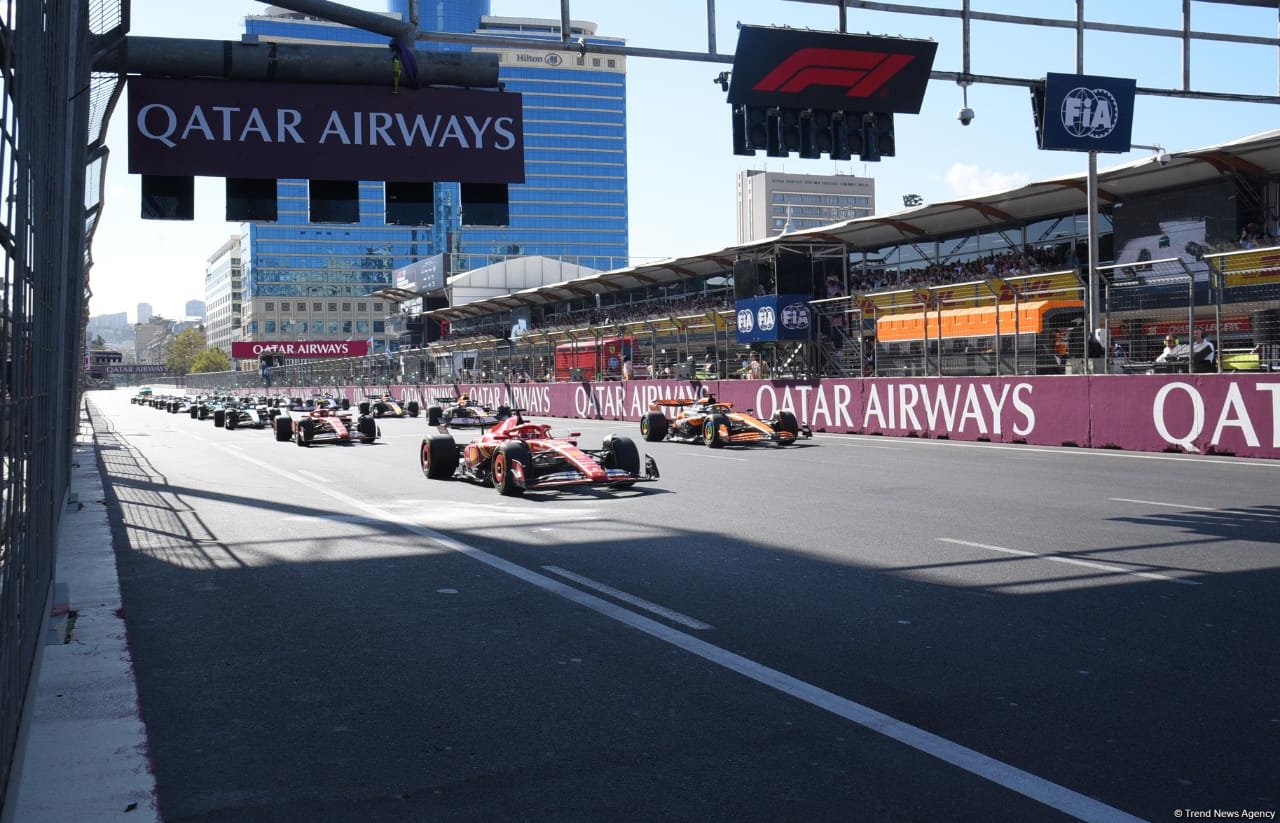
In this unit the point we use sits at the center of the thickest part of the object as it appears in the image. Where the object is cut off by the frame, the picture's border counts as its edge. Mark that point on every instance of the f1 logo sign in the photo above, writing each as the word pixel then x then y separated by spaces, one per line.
pixel 829 71
pixel 861 73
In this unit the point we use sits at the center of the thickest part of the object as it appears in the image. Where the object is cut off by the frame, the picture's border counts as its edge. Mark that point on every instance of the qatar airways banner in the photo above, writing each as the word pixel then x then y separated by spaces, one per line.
pixel 1197 414
pixel 228 128
pixel 301 348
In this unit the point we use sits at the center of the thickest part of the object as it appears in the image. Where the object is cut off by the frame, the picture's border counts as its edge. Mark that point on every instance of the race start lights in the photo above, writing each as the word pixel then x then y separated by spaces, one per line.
pixel 813 93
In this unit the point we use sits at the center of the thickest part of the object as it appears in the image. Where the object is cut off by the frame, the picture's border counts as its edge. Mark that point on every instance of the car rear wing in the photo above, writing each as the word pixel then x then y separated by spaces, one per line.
pixel 679 402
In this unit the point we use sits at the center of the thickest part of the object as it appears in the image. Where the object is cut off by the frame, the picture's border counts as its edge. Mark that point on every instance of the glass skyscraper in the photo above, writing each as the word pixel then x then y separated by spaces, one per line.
pixel 306 281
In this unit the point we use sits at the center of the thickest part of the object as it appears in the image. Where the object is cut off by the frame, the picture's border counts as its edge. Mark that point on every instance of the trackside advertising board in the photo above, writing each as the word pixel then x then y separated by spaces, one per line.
pixel 1194 414
pixel 301 348
pixel 228 128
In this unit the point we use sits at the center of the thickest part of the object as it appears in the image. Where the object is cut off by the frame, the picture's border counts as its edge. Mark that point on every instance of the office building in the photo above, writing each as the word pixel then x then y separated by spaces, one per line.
pixel 223 295
pixel 306 280
pixel 195 310
pixel 771 203
pixel 144 313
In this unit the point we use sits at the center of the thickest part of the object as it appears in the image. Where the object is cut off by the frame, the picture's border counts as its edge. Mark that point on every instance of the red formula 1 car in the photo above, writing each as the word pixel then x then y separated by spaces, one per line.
pixel 324 424
pixel 706 420
pixel 515 456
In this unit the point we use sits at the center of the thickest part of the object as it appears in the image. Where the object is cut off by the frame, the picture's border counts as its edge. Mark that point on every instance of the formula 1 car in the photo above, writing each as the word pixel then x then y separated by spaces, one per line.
pixel 384 405
pixel 461 413
pixel 249 412
pixel 324 424
pixel 515 456
pixel 706 420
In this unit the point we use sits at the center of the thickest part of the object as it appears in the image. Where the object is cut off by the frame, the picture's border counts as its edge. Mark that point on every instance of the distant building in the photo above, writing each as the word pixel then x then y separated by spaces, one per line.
pixel 144 313
pixel 195 310
pixel 770 203
pixel 317 281
pixel 223 295
pixel 150 339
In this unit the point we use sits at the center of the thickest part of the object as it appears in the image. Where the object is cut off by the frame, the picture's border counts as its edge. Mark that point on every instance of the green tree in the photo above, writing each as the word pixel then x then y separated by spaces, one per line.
pixel 183 351
pixel 213 359
pixel 98 344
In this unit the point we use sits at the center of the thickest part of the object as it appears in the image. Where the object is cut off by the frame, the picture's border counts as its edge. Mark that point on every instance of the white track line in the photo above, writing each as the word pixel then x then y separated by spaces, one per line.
pixel 1072 561
pixel 1250 515
pixel 640 603
pixel 1002 774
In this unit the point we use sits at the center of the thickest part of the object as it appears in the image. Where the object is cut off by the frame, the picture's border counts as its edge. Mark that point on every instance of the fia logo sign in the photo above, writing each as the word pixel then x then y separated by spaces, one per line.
pixel 1089 112
pixel 795 316
pixel 746 321
pixel 765 318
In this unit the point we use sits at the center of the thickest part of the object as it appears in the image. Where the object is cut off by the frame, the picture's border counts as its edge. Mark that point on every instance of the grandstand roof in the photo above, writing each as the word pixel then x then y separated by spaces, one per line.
pixel 1257 155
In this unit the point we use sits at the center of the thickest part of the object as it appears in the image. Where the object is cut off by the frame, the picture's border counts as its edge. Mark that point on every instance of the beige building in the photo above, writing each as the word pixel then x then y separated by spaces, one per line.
pixel 222 295
pixel 772 203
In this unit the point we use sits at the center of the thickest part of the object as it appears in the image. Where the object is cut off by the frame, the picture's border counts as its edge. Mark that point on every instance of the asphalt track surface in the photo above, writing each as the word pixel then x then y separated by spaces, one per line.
pixel 854 628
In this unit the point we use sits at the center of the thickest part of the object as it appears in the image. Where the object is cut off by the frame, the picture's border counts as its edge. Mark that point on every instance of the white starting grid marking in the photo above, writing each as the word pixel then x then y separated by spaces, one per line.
pixel 1107 567
pixel 640 603
pixel 974 762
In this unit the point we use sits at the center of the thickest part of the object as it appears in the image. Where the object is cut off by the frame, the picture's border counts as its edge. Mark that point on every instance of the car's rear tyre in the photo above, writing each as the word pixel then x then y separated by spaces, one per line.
pixel 434 415
pixel 284 428
pixel 368 428
pixel 711 430
pixel 231 421
pixel 413 408
pixel 345 403
pixel 439 456
pixel 220 418
pixel 194 412
pixel 621 453
pixel 654 426
pixel 785 422
pixel 364 407
pixel 509 455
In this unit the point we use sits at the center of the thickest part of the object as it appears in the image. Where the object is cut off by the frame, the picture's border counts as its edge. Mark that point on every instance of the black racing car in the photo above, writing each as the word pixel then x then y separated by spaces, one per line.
pixel 460 413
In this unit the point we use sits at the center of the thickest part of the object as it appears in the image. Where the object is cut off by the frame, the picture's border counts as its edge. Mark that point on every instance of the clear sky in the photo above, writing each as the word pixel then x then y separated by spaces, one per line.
pixel 681 163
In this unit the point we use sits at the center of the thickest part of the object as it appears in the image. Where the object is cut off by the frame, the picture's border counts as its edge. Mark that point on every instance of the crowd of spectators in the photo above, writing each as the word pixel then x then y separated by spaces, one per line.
pixel 632 312
pixel 1008 264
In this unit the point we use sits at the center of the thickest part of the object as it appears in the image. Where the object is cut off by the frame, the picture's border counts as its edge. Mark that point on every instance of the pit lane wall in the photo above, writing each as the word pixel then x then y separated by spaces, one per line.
pixel 1199 414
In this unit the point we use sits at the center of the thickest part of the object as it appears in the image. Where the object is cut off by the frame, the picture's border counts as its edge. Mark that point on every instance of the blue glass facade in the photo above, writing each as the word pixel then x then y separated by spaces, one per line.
pixel 572 205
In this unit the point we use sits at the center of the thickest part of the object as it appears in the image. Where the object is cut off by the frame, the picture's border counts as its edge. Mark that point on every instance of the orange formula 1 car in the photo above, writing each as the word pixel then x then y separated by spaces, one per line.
pixel 515 455
pixel 706 420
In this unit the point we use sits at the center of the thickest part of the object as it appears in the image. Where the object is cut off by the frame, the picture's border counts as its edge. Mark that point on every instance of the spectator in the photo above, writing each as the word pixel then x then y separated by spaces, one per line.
pixel 757 369
pixel 628 371
pixel 1202 353
pixel 1170 348
pixel 1119 356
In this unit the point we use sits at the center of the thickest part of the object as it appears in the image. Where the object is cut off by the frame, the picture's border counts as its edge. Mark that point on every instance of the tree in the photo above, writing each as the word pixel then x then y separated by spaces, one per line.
pixel 98 344
pixel 213 359
pixel 183 351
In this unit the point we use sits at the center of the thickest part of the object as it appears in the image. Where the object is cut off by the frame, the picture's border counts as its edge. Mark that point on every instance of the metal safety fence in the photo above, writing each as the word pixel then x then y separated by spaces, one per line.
pixel 53 117
pixel 999 326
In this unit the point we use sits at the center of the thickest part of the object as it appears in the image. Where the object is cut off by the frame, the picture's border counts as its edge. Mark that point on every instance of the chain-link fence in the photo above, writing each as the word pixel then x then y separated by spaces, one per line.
pixel 1016 325
pixel 52 127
